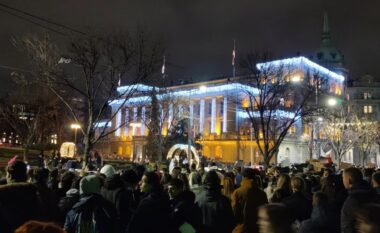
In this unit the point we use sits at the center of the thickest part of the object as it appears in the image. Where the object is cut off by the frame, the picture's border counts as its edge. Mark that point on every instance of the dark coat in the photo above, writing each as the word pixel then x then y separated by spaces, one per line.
pixel 92 212
pixel 280 194
pixel 114 192
pixel 358 195
pixel 152 214
pixel 184 210
pixel 66 203
pixel 299 205
pixel 245 203
pixel 216 211
pixel 19 203
pixel 323 219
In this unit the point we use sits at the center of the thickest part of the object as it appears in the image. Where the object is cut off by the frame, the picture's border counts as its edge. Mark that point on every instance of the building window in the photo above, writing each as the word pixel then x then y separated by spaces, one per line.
pixel 367 109
pixel 367 95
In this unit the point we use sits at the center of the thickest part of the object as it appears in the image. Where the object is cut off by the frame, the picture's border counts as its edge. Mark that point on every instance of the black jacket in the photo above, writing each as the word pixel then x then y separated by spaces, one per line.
pixel 280 194
pixel 216 211
pixel 358 195
pixel 323 219
pixel 114 192
pixel 299 205
pixel 152 214
pixel 19 203
pixel 66 203
pixel 184 210
pixel 93 213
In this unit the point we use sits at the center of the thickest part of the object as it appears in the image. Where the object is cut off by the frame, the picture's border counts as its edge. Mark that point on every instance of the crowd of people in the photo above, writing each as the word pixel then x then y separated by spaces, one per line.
pixel 187 198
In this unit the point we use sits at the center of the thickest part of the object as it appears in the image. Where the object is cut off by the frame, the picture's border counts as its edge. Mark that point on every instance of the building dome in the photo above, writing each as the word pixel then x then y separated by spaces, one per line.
pixel 327 54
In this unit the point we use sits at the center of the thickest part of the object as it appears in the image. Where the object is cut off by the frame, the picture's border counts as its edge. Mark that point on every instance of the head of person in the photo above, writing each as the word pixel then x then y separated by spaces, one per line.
pixel 150 182
pixel 274 218
pixel 175 172
pixel 67 180
pixel 375 180
pixel 327 172
pixel 175 188
pixel 212 181
pixel 130 178
pixel 320 199
pixel 108 170
pixel 367 219
pixel 283 182
pixel 89 185
pixel 249 173
pixel 39 227
pixel 297 184
pixel 352 176
pixel 40 175
pixel 16 172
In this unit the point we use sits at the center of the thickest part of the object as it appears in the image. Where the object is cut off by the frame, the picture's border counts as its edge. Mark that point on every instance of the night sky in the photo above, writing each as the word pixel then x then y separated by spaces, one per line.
pixel 199 34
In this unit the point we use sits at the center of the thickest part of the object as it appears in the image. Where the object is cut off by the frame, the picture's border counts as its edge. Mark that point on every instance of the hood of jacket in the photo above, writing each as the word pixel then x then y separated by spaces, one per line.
pixel 90 201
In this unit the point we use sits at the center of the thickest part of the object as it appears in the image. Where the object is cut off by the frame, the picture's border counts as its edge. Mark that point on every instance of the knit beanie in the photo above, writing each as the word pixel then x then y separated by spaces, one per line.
pixel 89 185
pixel 108 170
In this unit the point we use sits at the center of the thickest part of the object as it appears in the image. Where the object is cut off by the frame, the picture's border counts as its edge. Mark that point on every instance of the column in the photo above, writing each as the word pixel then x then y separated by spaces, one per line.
pixel 225 114
pixel 170 117
pixel 142 128
pixel 134 120
pixel 213 114
pixel 191 113
pixel 126 119
pixel 201 116
pixel 118 123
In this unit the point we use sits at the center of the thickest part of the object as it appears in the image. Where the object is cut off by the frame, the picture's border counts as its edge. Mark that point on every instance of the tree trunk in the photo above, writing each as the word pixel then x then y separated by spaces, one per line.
pixel 87 149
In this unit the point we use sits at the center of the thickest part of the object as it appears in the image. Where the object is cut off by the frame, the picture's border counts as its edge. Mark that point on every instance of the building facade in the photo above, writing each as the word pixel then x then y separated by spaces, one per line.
pixel 214 111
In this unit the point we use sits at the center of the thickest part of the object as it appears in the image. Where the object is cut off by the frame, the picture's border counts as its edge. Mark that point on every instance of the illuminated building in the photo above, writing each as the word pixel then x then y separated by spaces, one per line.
pixel 214 110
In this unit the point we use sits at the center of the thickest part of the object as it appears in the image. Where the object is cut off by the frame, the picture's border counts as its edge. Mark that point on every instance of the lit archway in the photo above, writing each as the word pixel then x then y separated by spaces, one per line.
pixel 183 147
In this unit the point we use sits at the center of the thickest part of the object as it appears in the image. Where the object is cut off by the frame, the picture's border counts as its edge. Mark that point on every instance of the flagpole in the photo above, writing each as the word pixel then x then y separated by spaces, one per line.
pixel 163 68
pixel 233 60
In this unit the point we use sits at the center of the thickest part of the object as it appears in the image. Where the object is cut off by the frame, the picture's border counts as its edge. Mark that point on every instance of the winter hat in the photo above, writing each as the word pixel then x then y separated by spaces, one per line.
pixel 108 170
pixel 89 184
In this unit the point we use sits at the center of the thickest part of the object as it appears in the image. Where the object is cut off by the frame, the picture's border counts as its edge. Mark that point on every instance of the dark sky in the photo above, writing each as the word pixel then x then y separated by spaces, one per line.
pixel 199 33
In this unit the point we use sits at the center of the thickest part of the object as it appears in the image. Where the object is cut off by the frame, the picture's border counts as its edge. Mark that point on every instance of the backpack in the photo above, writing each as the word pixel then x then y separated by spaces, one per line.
pixel 96 220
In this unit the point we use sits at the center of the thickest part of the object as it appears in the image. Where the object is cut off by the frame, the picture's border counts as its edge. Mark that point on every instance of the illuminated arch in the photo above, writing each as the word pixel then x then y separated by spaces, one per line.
pixel 183 147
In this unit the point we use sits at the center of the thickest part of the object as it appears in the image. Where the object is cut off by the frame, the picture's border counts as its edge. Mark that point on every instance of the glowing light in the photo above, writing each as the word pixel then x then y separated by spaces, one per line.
pixel 332 102
pixel 103 124
pixel 277 113
pixel 320 119
pixel 136 87
pixel 118 122
pixel 75 126
pixel 300 61
pixel 191 92
pixel 296 78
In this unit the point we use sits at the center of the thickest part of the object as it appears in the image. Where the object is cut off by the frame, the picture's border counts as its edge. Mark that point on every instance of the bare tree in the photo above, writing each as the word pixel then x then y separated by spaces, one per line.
pixel 367 131
pixel 96 65
pixel 284 95
pixel 340 130
pixel 165 111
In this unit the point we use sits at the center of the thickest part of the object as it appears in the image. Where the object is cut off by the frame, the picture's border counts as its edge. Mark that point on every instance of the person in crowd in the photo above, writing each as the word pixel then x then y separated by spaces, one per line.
pixel 175 172
pixel 217 215
pixel 19 201
pixel 185 213
pixel 39 227
pixel 298 203
pixel 114 191
pixel 228 185
pixel 238 176
pixel 359 194
pixel 367 220
pixel 323 217
pixel 376 182
pixel 154 208
pixel 92 213
pixel 274 218
pixel 246 201
pixel 367 174
pixel 130 180
pixel 53 180
pixel 283 189
pixel 48 197
pixel 194 176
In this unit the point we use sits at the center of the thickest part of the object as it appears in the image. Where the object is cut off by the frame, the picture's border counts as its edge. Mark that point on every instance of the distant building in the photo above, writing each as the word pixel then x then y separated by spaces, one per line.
pixel 214 110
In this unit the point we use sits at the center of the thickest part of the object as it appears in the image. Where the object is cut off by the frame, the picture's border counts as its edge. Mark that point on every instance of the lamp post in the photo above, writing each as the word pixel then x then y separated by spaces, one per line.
pixel 75 127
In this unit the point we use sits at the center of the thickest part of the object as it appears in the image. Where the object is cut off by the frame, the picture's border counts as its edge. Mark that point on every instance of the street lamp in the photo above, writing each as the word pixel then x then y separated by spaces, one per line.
pixel 332 102
pixel 75 127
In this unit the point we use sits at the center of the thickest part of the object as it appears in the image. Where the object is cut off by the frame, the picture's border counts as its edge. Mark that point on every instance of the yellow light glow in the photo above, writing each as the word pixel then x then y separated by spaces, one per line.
pixel 75 126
